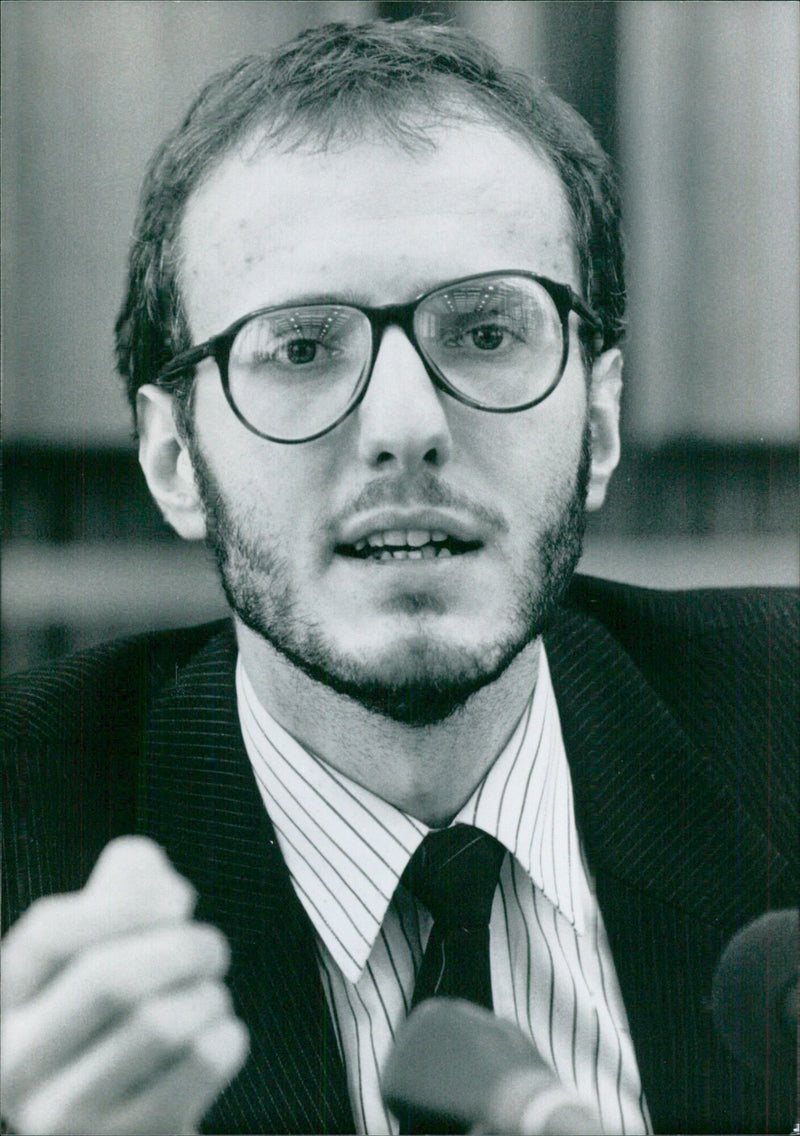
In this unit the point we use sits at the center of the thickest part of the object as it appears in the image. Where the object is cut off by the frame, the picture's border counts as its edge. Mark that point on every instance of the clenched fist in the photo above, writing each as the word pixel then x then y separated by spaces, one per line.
pixel 115 1017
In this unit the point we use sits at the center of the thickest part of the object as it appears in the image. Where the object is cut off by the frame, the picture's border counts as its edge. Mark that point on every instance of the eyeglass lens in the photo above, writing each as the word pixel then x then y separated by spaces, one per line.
pixel 497 341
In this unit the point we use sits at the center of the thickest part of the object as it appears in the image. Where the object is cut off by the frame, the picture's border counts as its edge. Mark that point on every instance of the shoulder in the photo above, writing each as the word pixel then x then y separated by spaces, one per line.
pixel 725 664
pixel 727 645
pixel 91 690
pixel 747 637
pixel 635 615
pixel 73 737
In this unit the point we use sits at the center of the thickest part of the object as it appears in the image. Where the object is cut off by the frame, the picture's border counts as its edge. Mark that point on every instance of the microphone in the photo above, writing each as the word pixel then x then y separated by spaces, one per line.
pixel 754 992
pixel 456 1062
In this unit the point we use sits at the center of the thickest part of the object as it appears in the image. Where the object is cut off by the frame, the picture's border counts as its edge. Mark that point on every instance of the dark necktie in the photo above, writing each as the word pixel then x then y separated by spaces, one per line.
pixel 454 874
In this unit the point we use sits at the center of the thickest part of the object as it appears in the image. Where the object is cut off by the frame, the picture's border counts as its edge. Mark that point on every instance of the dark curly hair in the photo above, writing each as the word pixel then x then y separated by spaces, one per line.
pixel 330 84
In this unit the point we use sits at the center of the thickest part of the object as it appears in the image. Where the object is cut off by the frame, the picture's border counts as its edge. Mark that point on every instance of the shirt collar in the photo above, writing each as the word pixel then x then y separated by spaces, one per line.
pixel 346 848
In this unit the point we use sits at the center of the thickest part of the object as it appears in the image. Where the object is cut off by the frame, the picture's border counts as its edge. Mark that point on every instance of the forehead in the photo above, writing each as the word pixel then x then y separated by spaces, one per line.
pixel 370 222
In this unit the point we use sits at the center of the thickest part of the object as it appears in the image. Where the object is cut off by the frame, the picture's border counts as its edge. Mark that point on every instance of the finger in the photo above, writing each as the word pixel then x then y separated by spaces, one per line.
pixel 101 986
pixel 130 867
pixel 119 1065
pixel 133 886
pixel 180 1099
pixel 175 1103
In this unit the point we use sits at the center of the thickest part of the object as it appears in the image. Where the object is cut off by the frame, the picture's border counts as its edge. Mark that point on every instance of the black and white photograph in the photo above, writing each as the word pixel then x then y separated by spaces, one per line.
pixel 401 550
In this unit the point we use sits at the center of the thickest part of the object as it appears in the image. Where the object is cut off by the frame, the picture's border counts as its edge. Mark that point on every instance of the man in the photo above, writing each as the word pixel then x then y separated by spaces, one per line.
pixel 372 341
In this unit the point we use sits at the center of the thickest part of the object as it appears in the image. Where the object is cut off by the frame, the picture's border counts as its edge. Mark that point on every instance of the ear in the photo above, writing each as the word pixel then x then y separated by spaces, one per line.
pixel 167 466
pixel 604 400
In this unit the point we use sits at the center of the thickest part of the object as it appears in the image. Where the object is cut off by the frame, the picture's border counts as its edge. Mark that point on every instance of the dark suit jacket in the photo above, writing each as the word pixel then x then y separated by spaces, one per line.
pixel 678 714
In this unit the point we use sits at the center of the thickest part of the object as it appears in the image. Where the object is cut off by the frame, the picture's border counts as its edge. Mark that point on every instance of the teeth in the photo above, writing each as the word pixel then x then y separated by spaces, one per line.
pixel 401 538
pixel 405 544
pixel 426 553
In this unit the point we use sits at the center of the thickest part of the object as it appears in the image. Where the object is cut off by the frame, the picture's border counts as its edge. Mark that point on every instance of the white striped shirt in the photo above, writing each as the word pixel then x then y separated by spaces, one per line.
pixel 551 966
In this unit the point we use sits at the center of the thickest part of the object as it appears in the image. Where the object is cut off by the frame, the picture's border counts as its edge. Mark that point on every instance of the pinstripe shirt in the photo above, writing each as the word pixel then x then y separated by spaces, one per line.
pixel 551 966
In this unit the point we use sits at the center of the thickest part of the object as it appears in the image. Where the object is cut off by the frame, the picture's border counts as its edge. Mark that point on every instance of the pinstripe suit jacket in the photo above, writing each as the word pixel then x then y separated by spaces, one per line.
pixel 678 715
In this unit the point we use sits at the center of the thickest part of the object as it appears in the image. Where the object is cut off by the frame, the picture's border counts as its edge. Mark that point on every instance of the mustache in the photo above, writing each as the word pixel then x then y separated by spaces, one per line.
pixel 424 491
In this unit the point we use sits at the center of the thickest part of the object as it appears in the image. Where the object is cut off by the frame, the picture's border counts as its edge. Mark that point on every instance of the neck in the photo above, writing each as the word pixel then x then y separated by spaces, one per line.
pixel 427 771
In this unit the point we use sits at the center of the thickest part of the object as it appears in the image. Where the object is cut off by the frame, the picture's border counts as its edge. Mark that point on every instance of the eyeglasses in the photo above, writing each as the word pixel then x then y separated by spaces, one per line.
pixel 497 342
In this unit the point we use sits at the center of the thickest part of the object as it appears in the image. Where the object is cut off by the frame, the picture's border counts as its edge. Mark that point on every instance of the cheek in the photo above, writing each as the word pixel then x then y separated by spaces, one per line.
pixel 272 485
pixel 535 455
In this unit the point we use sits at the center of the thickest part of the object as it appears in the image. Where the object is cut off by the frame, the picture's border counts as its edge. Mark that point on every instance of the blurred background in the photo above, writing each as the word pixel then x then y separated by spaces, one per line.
pixel 697 103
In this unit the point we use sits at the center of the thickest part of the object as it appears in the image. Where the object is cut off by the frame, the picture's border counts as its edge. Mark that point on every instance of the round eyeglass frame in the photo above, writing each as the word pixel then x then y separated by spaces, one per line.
pixel 218 347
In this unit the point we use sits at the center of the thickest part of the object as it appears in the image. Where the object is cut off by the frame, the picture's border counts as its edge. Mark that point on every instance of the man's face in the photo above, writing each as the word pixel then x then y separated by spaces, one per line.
pixel 410 637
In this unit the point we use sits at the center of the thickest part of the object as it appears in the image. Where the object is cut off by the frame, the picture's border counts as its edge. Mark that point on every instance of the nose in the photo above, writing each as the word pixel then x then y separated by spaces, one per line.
pixel 401 420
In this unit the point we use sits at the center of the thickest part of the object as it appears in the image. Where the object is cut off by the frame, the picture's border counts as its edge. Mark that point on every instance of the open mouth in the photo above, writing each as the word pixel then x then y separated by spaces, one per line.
pixel 411 544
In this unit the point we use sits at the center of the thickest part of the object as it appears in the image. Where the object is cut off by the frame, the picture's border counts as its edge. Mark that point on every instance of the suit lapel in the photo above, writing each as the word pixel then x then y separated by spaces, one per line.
pixel 654 811
pixel 663 835
pixel 197 796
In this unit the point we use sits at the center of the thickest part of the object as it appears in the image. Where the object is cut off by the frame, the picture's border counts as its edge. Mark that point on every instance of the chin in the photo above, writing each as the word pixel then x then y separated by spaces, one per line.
pixel 417 677
pixel 421 681
pixel 415 666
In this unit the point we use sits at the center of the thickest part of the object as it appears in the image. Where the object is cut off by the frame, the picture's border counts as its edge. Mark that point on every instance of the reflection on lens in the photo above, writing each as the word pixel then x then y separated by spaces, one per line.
pixel 496 340
pixel 292 372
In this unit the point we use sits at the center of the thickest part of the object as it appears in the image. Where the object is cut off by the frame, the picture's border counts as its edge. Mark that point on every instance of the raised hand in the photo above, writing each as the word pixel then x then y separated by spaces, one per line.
pixel 115 1016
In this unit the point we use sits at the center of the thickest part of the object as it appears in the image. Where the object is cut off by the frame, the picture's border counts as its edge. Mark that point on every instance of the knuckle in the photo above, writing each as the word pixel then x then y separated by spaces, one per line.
pixel 31 949
pixel 155 1026
pixel 171 1022
pixel 139 866
pixel 108 989
pixel 222 1047
pixel 34 930
pixel 219 996
pixel 42 910
pixel 212 946
pixel 209 997
pixel 213 1002
pixel 124 850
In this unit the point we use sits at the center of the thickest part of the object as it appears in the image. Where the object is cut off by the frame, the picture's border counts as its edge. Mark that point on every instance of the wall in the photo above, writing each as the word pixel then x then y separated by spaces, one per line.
pixel 709 124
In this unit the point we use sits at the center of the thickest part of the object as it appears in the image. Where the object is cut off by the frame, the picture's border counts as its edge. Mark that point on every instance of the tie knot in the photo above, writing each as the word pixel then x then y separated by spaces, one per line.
pixel 454 874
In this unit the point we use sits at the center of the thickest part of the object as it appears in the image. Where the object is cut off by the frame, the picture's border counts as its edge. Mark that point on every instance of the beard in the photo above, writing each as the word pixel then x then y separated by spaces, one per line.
pixel 429 680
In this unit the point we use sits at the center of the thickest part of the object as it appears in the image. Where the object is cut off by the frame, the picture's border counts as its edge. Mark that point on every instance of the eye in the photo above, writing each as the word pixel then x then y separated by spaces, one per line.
pixel 301 351
pixel 487 337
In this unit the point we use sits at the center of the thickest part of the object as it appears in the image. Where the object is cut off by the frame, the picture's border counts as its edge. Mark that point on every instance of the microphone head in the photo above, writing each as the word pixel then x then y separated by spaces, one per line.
pixel 448 1058
pixel 457 1067
pixel 754 992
